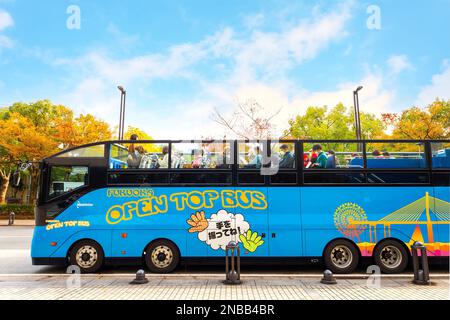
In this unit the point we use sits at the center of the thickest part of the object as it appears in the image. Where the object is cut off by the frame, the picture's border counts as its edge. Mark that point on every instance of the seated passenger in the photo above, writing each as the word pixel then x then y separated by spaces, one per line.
pixel 321 161
pixel 305 159
pixel 197 157
pixel 133 159
pixel 332 161
pixel 256 162
pixel 164 162
pixel 224 160
pixel 287 160
pixel 145 160
pixel 387 155
pixel 377 154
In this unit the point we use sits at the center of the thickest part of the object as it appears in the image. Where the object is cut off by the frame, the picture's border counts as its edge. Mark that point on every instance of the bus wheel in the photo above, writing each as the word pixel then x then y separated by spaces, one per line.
pixel 87 255
pixel 162 256
pixel 341 256
pixel 391 256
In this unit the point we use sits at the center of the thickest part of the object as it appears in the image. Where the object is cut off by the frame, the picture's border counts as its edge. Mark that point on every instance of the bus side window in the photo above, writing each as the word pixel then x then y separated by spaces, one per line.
pixel 64 179
pixel 440 153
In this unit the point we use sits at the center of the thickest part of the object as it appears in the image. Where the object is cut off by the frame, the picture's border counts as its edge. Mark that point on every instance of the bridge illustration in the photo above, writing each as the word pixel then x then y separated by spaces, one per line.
pixel 418 212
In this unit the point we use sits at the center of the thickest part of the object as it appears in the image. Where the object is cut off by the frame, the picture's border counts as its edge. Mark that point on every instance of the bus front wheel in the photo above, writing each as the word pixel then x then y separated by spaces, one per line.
pixel 87 255
pixel 341 256
pixel 391 256
pixel 161 256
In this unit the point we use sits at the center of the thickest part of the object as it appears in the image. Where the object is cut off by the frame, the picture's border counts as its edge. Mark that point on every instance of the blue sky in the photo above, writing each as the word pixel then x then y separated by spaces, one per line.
pixel 179 60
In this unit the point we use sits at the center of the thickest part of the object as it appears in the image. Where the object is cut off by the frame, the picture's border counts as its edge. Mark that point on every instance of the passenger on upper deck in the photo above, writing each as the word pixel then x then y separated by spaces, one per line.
pixel 257 160
pixel 287 160
pixel 224 160
pixel 134 157
pixel 321 161
pixel 377 154
pixel 164 162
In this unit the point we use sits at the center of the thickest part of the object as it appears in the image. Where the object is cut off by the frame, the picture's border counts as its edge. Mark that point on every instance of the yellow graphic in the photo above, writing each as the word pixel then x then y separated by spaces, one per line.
pixel 197 222
pixel 141 208
pixel 416 213
pixel 67 224
pixel 195 200
pixel 251 240
pixel 129 192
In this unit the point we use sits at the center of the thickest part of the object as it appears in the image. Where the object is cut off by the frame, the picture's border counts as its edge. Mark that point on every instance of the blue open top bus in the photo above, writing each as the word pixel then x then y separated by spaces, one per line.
pixel 160 202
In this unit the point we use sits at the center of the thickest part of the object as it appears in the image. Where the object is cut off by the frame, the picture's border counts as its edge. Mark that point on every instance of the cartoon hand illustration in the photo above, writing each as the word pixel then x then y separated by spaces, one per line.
pixel 251 241
pixel 198 222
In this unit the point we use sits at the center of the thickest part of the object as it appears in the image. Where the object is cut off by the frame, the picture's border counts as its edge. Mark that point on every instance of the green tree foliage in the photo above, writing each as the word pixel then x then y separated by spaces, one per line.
pixel 337 123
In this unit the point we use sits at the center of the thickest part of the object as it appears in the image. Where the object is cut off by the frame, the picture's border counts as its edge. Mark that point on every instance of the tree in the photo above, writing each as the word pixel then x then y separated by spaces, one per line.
pixel 433 122
pixel 338 123
pixel 32 131
pixel 249 121
pixel 20 142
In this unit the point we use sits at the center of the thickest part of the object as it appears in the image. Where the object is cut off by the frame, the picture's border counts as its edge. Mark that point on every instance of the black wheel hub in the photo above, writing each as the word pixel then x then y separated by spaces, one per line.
pixel 161 256
pixel 85 256
pixel 386 255
pixel 338 255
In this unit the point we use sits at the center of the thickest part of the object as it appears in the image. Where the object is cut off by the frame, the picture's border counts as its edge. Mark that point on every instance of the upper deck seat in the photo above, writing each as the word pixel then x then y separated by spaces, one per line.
pixel 390 163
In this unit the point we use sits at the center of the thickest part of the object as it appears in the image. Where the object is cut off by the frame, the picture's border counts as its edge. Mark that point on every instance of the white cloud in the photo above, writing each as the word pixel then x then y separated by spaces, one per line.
pixel 399 63
pixel 250 65
pixel 6 20
pixel 438 88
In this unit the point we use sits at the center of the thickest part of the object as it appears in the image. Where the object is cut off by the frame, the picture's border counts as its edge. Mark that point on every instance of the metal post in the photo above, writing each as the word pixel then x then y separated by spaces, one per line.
pixel 421 269
pixel 12 217
pixel 233 274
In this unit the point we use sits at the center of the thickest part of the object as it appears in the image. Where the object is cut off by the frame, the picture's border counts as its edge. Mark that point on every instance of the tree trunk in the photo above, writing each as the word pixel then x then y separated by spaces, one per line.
pixel 4 188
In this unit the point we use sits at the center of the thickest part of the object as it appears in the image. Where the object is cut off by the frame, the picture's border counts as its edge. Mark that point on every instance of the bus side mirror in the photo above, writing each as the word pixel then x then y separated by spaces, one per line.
pixel 15 179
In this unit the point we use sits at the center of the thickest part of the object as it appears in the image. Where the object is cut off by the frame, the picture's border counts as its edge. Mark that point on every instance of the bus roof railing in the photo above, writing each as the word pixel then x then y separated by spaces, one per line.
pixel 365 141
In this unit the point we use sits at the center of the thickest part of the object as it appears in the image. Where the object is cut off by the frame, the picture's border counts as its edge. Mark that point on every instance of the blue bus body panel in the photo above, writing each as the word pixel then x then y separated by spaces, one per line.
pixel 265 221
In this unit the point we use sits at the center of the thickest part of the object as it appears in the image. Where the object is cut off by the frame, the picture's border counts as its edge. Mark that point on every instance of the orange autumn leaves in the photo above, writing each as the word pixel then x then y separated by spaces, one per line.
pixel 34 131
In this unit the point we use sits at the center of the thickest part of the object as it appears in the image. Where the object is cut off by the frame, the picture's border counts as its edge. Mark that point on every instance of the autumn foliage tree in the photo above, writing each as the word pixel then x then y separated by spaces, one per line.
pixel 32 131
pixel 433 122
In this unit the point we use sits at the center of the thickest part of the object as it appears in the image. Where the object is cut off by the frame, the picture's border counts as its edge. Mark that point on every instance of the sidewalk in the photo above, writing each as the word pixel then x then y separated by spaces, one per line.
pixel 210 287
pixel 19 223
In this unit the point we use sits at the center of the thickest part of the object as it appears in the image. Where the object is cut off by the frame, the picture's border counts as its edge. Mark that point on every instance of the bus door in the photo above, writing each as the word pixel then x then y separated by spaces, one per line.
pixel 284 222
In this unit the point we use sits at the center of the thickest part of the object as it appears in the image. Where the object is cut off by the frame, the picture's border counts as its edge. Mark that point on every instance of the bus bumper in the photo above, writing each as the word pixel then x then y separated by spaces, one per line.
pixel 49 261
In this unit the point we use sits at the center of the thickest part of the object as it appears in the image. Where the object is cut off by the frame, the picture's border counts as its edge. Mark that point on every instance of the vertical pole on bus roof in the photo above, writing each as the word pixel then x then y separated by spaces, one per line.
pixel 120 114
pixel 123 113
pixel 123 94
pixel 357 115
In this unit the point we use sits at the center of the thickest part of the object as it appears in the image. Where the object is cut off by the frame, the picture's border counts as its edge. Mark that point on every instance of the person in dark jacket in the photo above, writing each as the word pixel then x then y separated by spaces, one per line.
pixel 288 160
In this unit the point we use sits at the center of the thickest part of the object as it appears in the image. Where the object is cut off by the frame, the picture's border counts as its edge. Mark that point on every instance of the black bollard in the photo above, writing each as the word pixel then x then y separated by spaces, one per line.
pixel 140 278
pixel 12 217
pixel 233 274
pixel 420 264
pixel 328 278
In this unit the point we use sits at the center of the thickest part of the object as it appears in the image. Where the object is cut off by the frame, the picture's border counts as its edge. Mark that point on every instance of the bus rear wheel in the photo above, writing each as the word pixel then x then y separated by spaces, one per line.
pixel 87 255
pixel 391 256
pixel 162 256
pixel 341 256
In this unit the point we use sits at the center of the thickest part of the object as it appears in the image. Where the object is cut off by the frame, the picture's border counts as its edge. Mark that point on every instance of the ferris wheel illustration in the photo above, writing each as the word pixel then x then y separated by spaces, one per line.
pixel 345 217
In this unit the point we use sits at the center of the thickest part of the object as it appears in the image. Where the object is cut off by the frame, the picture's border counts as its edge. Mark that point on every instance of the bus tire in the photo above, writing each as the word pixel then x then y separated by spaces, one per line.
pixel 341 256
pixel 87 255
pixel 391 256
pixel 162 256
